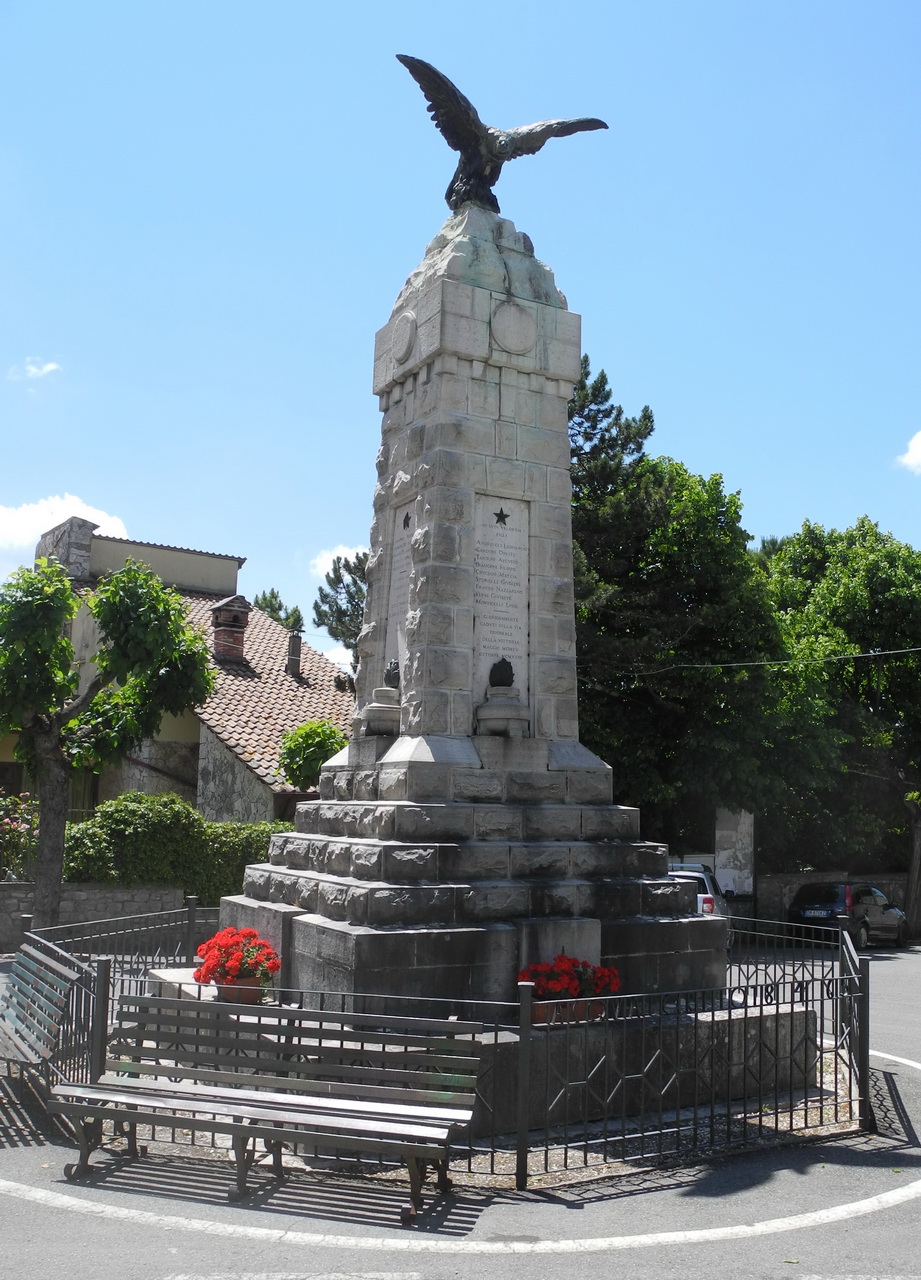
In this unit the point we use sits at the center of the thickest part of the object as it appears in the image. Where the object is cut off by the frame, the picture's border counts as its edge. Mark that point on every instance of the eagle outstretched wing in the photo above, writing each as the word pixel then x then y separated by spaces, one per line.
pixel 454 115
pixel 531 137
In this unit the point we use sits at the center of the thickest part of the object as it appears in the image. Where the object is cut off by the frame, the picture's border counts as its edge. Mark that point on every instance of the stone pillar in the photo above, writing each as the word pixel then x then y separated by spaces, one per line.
pixel 465 830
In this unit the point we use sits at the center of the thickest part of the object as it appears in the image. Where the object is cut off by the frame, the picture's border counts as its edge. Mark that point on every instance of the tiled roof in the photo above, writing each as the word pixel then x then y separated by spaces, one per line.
pixel 256 701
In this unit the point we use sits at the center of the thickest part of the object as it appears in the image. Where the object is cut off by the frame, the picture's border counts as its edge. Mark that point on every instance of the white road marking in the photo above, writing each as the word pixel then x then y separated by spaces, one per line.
pixel 427 1244
pixel 308 1275
pixel 905 1062
pixel 410 1243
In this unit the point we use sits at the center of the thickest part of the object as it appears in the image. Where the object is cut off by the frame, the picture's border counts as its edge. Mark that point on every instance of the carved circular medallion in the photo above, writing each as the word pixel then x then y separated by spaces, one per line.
pixel 514 328
pixel 404 335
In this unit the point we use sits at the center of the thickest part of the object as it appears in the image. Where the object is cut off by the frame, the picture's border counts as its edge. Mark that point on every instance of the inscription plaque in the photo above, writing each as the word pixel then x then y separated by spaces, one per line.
pixel 500 605
pixel 401 567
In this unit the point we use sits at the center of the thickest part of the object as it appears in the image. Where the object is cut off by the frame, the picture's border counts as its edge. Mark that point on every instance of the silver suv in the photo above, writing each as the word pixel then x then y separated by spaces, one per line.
pixel 710 900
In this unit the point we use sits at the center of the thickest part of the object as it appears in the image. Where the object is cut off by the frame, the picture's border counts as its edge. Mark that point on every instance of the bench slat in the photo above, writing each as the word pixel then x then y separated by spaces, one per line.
pixel 397 1022
pixel 262 1089
pixel 395 1090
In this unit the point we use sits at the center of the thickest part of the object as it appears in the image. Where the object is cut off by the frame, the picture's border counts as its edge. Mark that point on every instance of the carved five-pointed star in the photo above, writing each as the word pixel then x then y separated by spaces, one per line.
pixel 501 516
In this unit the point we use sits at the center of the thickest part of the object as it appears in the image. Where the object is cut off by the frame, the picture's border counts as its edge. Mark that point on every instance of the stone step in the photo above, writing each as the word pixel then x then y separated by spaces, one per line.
pixel 378 904
pixel 398 862
pixel 404 821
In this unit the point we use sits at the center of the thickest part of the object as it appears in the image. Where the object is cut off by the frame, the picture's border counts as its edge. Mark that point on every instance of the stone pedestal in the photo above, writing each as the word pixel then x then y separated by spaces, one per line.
pixel 465 829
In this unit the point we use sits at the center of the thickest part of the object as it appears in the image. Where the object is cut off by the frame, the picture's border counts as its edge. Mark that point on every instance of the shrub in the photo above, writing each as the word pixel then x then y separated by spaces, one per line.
pixel 306 748
pixel 162 839
pixel 18 833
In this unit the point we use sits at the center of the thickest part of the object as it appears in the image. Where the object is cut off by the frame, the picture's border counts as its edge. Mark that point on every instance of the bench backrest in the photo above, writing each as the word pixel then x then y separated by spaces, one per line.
pixel 400 1059
pixel 36 997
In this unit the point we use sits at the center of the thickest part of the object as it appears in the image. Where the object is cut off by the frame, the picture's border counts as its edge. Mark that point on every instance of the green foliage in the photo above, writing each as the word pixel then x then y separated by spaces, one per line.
pixel 36 657
pixel 856 592
pixel 270 602
pixel 339 606
pixel 18 833
pixel 161 839
pixel 668 597
pixel 306 748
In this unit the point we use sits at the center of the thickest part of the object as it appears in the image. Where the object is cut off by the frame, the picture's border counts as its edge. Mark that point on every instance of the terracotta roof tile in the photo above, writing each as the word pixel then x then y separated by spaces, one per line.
pixel 255 702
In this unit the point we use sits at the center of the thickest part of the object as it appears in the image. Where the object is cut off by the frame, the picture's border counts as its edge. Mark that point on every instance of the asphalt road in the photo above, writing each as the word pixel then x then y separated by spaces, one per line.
pixel 845 1208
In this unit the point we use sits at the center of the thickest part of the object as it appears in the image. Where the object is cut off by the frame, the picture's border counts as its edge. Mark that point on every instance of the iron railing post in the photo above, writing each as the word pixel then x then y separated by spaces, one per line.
pixel 191 906
pixel 862 1003
pixel 99 1028
pixel 525 991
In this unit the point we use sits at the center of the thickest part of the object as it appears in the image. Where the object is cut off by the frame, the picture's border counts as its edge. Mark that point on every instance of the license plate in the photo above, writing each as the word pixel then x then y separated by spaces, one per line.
pixel 822 914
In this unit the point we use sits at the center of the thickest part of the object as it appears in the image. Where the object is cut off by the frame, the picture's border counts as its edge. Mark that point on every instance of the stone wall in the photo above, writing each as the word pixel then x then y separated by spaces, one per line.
pixel 83 902
pixel 155 767
pixel 775 892
pixel 227 790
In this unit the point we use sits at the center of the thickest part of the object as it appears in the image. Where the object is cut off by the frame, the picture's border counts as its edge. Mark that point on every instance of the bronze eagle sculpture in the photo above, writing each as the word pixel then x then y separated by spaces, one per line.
pixel 483 149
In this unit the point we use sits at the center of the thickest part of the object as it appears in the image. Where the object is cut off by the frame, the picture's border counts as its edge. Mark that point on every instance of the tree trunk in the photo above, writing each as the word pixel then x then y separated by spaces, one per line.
pixel 53 798
pixel 912 904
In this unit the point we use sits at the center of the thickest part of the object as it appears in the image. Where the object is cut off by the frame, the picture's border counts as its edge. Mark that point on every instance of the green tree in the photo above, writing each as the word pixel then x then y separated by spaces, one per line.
pixel 856 597
pixel 270 602
pixel 305 749
pixel 667 600
pixel 339 606
pixel 149 662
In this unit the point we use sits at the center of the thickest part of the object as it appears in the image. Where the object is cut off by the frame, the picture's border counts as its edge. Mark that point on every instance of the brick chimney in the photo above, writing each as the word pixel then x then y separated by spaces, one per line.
pixel 293 663
pixel 229 619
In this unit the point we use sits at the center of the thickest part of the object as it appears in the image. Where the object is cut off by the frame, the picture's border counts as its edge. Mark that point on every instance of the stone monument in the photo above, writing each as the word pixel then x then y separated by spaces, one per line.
pixel 465 831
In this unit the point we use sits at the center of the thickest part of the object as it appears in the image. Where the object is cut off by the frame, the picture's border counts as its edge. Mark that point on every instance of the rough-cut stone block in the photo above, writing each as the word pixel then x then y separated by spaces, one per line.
pixel 556 898
pixel 589 786
pixel 480 785
pixel 473 860
pixel 433 822
pixel 556 675
pixel 419 862
pixel 547 859
pixel 366 861
pixel 534 788
pixel 551 822
pixel 614 822
pixel 486 901
pixel 497 822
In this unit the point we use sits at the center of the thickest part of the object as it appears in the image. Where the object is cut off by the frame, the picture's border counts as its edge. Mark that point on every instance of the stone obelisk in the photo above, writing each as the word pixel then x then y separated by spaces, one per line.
pixel 465 830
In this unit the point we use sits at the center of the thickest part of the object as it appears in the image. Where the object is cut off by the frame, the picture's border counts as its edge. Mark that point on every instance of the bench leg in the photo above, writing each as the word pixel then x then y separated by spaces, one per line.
pixel 416 1169
pixel 89 1135
pixel 278 1167
pixel 244 1158
pixel 444 1182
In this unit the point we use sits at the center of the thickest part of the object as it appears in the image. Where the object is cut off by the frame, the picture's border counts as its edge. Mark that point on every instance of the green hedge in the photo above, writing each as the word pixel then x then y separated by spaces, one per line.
pixel 143 839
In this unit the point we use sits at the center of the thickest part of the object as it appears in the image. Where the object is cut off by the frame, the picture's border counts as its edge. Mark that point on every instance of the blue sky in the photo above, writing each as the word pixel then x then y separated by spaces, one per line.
pixel 207 209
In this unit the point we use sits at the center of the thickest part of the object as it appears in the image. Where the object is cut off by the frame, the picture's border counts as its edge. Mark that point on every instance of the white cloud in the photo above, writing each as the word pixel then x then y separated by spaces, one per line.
pixel 32 367
pixel 911 458
pixel 321 563
pixel 339 656
pixel 21 527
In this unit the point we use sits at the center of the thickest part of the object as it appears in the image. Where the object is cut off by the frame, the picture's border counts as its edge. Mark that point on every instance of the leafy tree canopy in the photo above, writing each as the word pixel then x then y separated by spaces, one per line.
pixel 149 662
pixel 270 602
pixel 339 606
pixel 668 597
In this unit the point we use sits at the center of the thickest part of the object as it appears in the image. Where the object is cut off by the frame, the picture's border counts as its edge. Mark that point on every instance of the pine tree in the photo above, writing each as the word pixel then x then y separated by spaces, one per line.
pixel 340 605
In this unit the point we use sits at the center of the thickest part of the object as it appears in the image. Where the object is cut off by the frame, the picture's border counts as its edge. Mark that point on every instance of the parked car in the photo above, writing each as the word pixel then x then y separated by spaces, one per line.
pixel 869 914
pixel 710 899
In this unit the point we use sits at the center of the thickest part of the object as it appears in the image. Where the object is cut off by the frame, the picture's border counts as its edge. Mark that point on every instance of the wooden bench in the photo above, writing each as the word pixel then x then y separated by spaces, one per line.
pixel 34 1005
pixel 355 1083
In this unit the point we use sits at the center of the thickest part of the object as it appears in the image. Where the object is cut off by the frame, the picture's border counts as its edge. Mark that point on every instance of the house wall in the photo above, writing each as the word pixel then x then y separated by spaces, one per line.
pixel 190 570
pixel 227 790
pixel 154 767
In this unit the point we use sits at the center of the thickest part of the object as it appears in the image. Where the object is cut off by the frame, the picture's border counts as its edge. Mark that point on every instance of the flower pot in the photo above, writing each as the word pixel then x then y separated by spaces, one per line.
pixel 243 991
pixel 560 1013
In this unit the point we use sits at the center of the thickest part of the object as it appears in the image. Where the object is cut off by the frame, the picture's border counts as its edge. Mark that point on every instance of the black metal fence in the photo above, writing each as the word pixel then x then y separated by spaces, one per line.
pixel 780 1051
pixel 134 945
